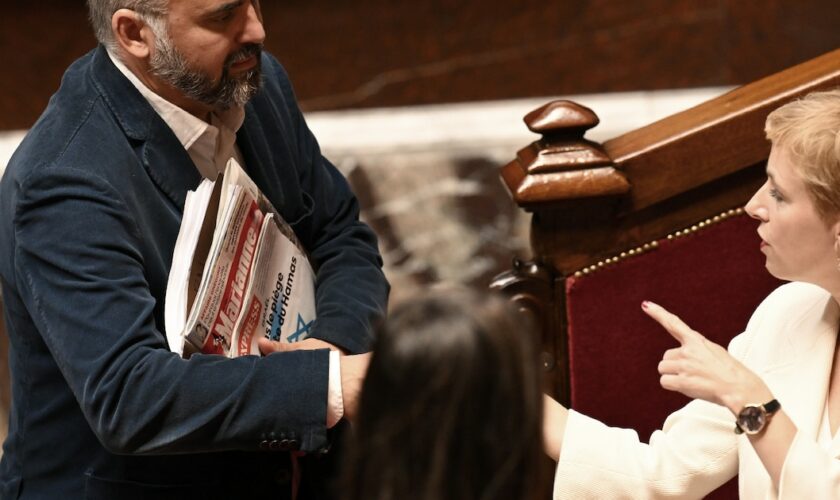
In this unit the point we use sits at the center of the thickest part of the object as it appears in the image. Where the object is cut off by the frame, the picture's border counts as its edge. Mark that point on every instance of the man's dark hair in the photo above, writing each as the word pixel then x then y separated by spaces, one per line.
pixel 100 13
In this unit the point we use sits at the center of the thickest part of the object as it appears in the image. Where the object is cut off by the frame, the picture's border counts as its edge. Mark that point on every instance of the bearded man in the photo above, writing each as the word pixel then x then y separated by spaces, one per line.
pixel 90 207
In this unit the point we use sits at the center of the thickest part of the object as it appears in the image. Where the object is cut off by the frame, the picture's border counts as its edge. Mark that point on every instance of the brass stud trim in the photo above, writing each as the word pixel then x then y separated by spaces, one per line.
pixel 647 247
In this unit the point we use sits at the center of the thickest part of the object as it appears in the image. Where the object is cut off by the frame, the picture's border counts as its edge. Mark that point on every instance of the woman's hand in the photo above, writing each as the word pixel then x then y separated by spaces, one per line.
pixel 701 369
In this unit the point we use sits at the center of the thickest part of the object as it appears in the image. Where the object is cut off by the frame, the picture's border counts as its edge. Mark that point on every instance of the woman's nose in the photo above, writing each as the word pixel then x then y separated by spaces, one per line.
pixel 755 207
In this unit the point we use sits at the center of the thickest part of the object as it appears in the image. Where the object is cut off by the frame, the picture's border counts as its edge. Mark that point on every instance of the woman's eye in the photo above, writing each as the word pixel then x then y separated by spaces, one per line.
pixel 775 195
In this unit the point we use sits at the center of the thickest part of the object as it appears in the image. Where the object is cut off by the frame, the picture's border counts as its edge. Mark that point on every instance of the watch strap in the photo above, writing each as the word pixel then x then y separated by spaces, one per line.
pixel 772 407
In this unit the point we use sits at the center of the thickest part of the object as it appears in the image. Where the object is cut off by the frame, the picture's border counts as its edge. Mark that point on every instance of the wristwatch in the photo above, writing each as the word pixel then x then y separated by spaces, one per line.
pixel 752 418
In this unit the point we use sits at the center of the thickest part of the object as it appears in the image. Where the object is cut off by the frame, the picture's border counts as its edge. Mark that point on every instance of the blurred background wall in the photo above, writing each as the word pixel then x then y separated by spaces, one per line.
pixel 373 53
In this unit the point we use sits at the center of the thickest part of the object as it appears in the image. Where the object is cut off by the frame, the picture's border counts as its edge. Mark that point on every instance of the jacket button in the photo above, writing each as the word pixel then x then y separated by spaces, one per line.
pixel 274 445
pixel 264 444
pixel 294 444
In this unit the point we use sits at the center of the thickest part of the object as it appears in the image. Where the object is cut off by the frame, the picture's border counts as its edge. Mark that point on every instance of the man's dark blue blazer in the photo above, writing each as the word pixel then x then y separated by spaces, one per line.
pixel 90 207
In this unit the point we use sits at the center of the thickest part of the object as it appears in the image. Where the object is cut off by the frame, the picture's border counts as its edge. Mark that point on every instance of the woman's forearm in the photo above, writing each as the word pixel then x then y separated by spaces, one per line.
pixel 773 443
pixel 554 425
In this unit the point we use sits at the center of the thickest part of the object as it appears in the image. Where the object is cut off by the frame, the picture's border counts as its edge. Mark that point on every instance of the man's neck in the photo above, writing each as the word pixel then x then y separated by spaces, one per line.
pixel 141 70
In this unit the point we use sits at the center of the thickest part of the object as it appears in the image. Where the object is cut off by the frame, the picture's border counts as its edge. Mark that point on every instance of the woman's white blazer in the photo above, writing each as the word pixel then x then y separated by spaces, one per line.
pixel 789 342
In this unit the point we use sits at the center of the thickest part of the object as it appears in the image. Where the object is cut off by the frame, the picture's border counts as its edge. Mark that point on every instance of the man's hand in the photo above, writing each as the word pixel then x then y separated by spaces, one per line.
pixel 353 370
pixel 701 369
pixel 269 346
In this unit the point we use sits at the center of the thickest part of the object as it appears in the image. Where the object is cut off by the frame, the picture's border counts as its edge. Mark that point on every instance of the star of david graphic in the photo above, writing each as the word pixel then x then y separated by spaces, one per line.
pixel 302 330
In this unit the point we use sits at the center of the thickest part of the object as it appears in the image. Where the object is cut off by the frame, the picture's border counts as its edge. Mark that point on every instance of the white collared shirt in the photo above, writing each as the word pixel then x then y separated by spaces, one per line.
pixel 210 146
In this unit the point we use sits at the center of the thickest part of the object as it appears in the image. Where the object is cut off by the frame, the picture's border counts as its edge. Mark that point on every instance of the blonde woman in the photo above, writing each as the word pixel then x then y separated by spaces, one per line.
pixel 768 408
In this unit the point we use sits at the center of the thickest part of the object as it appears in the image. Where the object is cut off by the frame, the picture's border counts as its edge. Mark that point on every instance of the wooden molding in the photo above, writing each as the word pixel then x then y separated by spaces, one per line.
pixel 591 201
pixel 562 165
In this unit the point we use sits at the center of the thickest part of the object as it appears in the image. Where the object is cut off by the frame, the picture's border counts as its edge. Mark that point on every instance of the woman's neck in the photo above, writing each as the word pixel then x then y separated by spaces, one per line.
pixel 834 392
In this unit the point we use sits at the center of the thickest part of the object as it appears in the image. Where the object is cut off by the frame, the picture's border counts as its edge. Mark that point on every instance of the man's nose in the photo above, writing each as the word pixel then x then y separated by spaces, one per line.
pixel 254 32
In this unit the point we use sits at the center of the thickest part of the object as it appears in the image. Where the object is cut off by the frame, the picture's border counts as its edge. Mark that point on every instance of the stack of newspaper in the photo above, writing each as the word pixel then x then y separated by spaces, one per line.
pixel 238 272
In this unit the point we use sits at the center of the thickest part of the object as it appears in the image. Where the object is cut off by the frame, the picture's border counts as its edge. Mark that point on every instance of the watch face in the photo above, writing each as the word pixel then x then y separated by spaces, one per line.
pixel 751 419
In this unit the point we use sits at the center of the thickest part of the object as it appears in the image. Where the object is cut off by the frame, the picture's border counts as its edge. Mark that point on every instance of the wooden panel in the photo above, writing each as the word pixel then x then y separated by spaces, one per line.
pixel 38 40
pixel 714 139
pixel 396 53
pixel 382 53
pixel 680 170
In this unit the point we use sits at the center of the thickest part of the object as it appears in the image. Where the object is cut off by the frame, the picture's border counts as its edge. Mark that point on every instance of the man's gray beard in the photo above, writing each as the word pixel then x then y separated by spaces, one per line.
pixel 171 66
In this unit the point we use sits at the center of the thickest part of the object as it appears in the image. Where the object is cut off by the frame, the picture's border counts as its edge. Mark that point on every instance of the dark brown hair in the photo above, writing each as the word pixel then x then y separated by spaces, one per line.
pixel 451 408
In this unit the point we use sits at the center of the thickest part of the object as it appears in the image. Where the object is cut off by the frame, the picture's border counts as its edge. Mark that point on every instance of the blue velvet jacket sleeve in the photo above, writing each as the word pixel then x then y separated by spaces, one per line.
pixel 79 269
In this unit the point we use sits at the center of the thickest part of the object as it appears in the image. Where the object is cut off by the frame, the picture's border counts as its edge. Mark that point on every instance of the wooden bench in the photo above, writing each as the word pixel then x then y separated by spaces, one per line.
pixel 653 214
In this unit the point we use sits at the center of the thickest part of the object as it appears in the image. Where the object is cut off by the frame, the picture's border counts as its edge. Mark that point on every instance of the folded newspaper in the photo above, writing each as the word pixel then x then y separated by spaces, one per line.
pixel 238 272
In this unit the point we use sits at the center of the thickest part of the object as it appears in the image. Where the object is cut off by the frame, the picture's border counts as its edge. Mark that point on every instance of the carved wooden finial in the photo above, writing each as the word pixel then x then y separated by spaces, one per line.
pixel 561 118
pixel 562 165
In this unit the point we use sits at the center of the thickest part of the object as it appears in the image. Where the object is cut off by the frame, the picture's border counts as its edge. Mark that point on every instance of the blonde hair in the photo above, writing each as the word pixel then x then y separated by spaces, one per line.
pixel 808 129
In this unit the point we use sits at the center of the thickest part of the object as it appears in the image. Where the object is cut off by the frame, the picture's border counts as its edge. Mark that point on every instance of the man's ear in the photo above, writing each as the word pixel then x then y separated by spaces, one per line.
pixel 134 37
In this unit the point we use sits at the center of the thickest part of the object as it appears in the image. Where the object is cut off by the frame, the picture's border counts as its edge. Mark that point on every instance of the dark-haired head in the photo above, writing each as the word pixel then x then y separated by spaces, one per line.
pixel 451 407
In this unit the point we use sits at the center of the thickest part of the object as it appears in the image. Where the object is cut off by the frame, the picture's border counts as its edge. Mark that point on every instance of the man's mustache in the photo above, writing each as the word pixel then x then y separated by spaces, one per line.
pixel 251 49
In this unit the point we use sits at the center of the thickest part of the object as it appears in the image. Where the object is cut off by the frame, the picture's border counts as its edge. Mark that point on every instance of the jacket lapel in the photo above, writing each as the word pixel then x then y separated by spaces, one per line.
pixel 252 142
pixel 169 166
pixel 802 385
pixel 164 158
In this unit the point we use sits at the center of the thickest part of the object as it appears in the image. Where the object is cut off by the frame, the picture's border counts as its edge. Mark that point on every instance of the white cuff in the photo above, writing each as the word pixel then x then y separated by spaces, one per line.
pixel 335 398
